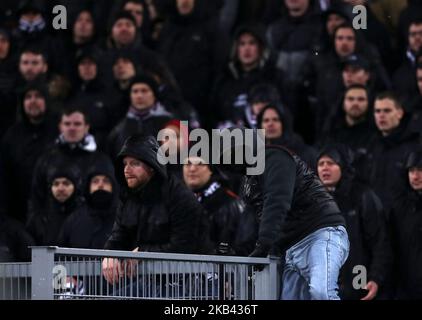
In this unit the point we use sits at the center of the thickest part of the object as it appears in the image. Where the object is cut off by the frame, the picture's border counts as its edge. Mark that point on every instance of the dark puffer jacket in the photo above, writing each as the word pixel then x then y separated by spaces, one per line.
pixel 162 216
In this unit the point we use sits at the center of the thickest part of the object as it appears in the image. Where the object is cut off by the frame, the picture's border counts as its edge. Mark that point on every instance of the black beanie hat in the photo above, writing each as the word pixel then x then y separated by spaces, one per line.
pixel 341 154
pixel 123 15
pixel 150 81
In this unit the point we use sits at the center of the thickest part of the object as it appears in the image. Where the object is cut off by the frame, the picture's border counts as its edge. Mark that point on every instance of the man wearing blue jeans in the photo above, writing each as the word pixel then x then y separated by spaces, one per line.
pixel 298 217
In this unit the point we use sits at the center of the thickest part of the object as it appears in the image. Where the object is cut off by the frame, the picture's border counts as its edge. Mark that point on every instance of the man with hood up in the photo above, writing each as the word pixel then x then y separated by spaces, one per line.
pixel 157 212
pixel 25 142
pixel 406 222
pixel 90 225
pixel 62 198
pixel 74 148
pixel 366 224
pixel 297 218
pixel 249 65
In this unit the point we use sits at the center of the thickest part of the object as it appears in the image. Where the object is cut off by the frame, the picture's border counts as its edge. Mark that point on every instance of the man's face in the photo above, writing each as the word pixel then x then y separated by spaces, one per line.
pixel 73 127
pixel 137 11
pixel 185 7
pixel 248 50
pixel 356 103
pixel 123 32
pixel 345 42
pixel 415 37
pixel 87 69
pixel 415 178
pixel 141 96
pixel 4 46
pixel 271 122
pixel 100 182
pixel 333 21
pixel 136 172
pixel 62 189
pixel 123 69
pixel 419 79
pixel 355 75
pixel 84 26
pixel 328 171
pixel 32 65
pixel 387 115
pixel 297 5
pixel 34 104
pixel 196 173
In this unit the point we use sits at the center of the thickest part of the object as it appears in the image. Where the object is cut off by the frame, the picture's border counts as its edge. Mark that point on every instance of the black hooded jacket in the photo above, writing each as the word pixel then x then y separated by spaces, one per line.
pixel 366 226
pixel 90 225
pixel 21 147
pixel 163 215
pixel 46 223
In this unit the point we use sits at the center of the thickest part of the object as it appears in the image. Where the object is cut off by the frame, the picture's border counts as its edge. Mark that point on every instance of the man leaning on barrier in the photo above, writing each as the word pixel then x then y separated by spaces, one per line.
pixel 158 213
pixel 296 216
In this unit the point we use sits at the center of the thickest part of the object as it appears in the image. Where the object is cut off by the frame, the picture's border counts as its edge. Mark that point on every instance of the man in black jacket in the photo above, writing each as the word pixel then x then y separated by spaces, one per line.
pixel 232 226
pixel 90 225
pixel 366 226
pixel 158 213
pixel 297 215
pixel 25 142
pixel 406 220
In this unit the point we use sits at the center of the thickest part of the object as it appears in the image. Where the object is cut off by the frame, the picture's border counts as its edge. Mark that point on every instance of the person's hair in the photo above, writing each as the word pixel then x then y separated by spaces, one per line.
pixel 357 86
pixel 390 96
pixel 419 66
pixel 345 25
pixel 415 21
pixel 36 51
pixel 75 109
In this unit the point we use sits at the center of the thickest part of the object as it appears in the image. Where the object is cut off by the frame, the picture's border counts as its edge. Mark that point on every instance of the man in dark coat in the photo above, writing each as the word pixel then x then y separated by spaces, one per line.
pixel 24 143
pixel 296 216
pixel 233 228
pixel 62 198
pixel 90 225
pixel 365 219
pixel 158 213
pixel 406 220
pixel 146 114
pixel 390 146
pixel 75 148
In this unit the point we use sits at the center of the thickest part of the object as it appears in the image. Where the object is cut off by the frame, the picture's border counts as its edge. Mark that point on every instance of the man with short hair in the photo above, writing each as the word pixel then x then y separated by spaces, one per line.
pixel 32 64
pixel 389 147
pixel 365 220
pixel 74 148
pixel 352 125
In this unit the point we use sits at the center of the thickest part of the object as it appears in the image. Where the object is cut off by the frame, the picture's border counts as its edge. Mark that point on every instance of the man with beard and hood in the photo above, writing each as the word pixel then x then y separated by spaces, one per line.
pixel 191 33
pixel 75 148
pixel 279 132
pixel 146 114
pixel 365 220
pixel 406 220
pixel 389 147
pixel 297 216
pixel 25 142
pixel 233 228
pixel 62 198
pixel 90 225
pixel 157 212
pixel 249 65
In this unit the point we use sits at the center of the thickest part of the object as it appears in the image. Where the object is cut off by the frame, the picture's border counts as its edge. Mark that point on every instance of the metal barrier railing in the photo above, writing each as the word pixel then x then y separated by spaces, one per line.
pixel 63 273
pixel 15 281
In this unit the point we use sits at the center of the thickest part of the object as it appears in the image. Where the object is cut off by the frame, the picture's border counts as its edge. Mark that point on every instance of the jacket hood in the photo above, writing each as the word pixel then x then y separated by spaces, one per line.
pixel 258 33
pixel 36 86
pixel 101 168
pixel 144 148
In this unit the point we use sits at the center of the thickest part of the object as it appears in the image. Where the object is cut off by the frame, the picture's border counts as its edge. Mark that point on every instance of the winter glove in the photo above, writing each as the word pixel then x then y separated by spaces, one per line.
pixel 260 251
pixel 225 249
